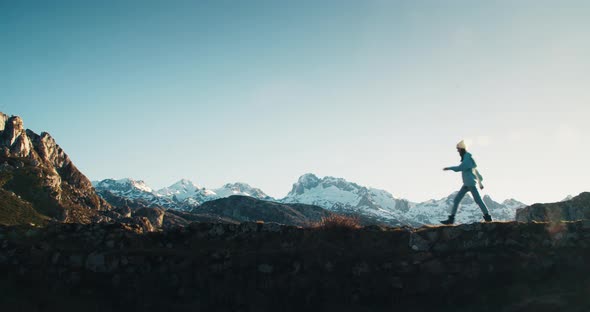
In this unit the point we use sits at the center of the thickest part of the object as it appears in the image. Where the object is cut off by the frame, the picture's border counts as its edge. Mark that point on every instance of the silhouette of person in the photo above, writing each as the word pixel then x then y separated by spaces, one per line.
pixel 471 177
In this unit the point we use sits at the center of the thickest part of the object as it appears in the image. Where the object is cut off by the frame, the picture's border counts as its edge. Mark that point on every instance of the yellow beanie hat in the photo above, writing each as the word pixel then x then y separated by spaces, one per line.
pixel 462 145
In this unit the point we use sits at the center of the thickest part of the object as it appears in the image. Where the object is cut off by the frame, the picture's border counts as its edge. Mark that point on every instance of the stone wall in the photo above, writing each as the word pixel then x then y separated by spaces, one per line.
pixel 258 267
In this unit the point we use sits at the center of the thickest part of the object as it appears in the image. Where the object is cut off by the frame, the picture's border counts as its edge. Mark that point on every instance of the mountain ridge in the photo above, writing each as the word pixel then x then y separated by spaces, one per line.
pixel 341 196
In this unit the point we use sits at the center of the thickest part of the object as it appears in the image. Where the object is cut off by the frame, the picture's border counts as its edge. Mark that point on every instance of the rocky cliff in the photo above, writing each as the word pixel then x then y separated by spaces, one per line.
pixel 263 267
pixel 37 171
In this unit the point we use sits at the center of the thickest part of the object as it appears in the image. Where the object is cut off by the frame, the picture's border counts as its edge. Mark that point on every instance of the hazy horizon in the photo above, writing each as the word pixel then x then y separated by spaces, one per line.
pixel 376 92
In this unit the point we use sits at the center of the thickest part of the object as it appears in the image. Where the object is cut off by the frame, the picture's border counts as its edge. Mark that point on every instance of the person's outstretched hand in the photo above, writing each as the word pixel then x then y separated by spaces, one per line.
pixel 446 168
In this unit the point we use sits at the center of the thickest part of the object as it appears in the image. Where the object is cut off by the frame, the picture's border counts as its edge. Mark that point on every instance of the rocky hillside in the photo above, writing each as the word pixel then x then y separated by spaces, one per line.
pixel 575 208
pixel 263 267
pixel 40 177
pixel 246 208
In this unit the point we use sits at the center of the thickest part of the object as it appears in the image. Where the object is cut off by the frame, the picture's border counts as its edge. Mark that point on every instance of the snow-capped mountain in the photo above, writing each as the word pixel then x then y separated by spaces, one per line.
pixel 133 190
pixel 187 192
pixel 339 195
pixel 241 189
pixel 127 187
pixel 182 195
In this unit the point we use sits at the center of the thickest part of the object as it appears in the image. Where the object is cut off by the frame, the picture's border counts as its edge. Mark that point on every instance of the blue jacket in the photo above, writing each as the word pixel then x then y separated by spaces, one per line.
pixel 468 170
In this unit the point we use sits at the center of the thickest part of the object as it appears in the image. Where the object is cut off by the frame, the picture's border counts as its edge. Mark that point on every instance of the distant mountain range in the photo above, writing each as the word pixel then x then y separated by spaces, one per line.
pixel 334 194
pixel 183 195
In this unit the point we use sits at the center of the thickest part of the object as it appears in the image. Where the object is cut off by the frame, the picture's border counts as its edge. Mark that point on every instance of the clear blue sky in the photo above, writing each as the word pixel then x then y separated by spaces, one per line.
pixel 377 92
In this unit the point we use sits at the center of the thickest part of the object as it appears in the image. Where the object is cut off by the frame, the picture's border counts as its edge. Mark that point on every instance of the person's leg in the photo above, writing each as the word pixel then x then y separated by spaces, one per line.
pixel 458 199
pixel 478 200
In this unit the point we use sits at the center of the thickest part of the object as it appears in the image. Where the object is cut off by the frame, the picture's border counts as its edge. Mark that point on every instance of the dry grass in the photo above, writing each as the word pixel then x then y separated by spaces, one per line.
pixel 336 221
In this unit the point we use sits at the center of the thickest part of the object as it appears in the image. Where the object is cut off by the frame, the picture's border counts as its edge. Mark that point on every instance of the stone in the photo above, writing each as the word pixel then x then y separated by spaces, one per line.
pixel 296 267
pixel 265 268
pixel 433 266
pixel 95 262
pixel 432 235
pixel 31 233
pixel 249 227
pixel 451 233
pixel 441 247
pixel 217 230
pixel 418 243
pixel 396 282
pixel 271 227
pixel 55 258
pixel 374 228
pixel 76 261
pixel 511 242
pixel 116 280
pixel 75 278
pixel 361 268
pixel 113 264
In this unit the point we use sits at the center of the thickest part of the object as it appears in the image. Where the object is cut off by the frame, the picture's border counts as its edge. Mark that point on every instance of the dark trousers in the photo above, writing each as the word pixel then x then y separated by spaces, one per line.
pixel 476 198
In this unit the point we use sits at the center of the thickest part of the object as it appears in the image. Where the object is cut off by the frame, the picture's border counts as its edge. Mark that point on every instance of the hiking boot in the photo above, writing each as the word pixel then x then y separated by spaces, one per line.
pixel 450 220
pixel 487 217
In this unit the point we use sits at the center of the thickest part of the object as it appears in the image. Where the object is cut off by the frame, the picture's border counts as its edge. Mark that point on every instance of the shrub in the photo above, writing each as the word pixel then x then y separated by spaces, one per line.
pixel 336 221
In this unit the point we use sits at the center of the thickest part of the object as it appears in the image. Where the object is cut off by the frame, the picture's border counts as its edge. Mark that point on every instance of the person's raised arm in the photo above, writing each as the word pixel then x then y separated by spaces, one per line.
pixel 466 164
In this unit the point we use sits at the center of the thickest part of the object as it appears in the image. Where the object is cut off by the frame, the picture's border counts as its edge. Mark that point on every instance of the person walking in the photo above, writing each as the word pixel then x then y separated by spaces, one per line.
pixel 471 177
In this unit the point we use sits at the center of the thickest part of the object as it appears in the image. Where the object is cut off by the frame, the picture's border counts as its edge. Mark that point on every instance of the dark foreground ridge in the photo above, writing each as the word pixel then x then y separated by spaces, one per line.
pixel 260 267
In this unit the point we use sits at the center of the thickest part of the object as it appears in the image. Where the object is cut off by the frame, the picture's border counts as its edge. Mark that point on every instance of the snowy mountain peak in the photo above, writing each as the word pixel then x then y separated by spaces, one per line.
pixel 339 195
pixel 182 190
pixel 237 185
pixel 240 188
pixel 513 203
pixel 308 178
pixel 305 182
pixel 310 181
pixel 122 184
pixel 186 184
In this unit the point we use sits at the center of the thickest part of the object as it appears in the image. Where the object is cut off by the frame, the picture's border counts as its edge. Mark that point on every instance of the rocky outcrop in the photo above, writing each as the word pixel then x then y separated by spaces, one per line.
pixel 154 215
pixel 3 119
pixel 265 266
pixel 15 142
pixel 576 208
pixel 35 168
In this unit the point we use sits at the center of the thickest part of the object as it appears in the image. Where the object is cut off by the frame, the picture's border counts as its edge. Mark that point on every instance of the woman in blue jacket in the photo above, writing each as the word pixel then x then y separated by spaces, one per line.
pixel 471 177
